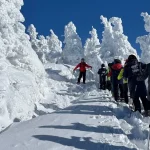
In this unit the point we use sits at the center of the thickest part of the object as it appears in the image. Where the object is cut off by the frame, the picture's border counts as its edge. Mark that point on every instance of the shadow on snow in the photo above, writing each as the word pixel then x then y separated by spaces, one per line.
pixel 83 127
pixel 85 143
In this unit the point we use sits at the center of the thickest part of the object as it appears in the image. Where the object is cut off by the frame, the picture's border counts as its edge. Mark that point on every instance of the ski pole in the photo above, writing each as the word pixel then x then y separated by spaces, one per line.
pixel 148 137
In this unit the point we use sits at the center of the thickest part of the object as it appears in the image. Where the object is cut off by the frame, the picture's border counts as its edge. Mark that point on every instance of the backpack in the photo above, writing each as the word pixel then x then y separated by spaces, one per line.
pixel 138 70
pixel 116 72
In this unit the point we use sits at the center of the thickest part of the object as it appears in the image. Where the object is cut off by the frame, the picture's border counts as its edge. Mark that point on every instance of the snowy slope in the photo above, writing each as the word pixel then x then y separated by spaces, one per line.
pixel 93 122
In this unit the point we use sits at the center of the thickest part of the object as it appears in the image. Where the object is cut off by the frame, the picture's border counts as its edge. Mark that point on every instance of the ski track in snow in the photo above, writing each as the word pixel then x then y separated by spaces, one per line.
pixel 93 122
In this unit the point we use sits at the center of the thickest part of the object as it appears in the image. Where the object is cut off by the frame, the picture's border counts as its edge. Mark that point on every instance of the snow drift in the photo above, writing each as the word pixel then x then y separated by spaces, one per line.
pixel 22 78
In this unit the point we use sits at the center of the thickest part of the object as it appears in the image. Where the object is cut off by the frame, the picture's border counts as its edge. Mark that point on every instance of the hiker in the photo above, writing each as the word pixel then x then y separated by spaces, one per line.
pixel 147 74
pixel 82 67
pixel 117 85
pixel 125 84
pixel 102 77
pixel 134 72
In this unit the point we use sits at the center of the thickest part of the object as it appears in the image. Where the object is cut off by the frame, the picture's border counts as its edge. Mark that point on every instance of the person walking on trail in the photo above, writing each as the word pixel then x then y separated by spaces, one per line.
pixel 102 77
pixel 117 85
pixel 134 72
pixel 147 74
pixel 125 84
pixel 82 67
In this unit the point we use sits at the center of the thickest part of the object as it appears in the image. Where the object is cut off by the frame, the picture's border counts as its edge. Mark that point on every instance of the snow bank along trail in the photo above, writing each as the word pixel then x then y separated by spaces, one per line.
pixel 93 122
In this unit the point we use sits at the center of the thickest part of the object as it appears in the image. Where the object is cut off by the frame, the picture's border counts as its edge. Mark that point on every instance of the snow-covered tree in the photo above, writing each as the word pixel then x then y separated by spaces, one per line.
pixel 91 52
pixel 43 50
pixel 48 49
pixel 33 37
pixel 114 43
pixel 144 41
pixel 39 43
pixel 55 48
pixel 22 74
pixel 73 51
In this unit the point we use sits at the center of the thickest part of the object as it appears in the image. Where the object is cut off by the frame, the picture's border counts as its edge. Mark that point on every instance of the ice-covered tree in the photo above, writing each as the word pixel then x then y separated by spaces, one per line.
pixel 114 43
pixel 33 37
pixel 43 50
pixel 73 50
pixel 39 43
pixel 48 49
pixel 55 48
pixel 92 52
pixel 22 74
pixel 144 41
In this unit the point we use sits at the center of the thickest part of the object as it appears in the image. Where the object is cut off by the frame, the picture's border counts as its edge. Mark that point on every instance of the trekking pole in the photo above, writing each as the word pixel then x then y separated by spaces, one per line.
pixel 148 137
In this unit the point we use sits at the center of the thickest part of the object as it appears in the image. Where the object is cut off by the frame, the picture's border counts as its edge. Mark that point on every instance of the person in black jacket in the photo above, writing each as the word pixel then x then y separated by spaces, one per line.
pixel 117 85
pixel 102 77
pixel 134 72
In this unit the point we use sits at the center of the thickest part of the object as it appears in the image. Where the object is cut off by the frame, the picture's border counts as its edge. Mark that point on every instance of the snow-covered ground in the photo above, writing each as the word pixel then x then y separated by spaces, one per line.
pixel 93 121
pixel 55 113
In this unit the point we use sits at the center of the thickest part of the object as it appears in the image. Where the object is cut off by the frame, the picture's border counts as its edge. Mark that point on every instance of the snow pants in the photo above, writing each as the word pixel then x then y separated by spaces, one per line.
pixel 138 91
pixel 103 85
pixel 108 85
pixel 102 82
pixel 82 74
pixel 137 103
pixel 125 93
pixel 117 91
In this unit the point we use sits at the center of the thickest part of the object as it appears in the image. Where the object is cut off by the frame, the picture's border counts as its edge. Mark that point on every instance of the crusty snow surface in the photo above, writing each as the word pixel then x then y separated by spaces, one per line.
pixel 93 121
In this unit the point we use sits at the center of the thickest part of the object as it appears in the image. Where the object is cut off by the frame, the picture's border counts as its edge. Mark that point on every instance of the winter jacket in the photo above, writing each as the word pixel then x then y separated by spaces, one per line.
pixel 82 67
pixel 114 72
pixel 136 79
pixel 102 74
pixel 120 76
pixel 147 74
pixel 108 77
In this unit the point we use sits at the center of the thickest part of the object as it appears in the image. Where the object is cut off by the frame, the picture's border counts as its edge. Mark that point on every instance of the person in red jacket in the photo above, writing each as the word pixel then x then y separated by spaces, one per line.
pixel 82 66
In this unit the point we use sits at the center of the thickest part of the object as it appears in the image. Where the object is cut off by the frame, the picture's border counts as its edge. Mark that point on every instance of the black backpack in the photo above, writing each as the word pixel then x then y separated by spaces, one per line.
pixel 138 70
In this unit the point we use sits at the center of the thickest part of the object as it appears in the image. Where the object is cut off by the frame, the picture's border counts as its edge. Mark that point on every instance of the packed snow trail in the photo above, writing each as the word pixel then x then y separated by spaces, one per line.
pixel 93 122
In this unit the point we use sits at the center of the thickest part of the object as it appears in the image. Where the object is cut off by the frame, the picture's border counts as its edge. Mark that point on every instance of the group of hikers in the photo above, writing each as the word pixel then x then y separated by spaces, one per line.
pixel 124 81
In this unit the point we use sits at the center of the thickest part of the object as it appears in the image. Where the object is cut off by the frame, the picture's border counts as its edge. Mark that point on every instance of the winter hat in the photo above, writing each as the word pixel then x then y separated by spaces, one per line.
pixel 116 61
pixel 110 64
pixel 132 57
pixel 103 65
pixel 82 59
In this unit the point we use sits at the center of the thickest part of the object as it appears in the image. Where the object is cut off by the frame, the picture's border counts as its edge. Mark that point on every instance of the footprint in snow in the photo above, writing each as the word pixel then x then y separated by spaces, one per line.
pixel 94 117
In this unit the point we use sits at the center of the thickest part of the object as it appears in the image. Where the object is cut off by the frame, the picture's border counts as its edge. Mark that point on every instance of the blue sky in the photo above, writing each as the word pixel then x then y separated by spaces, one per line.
pixel 55 14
